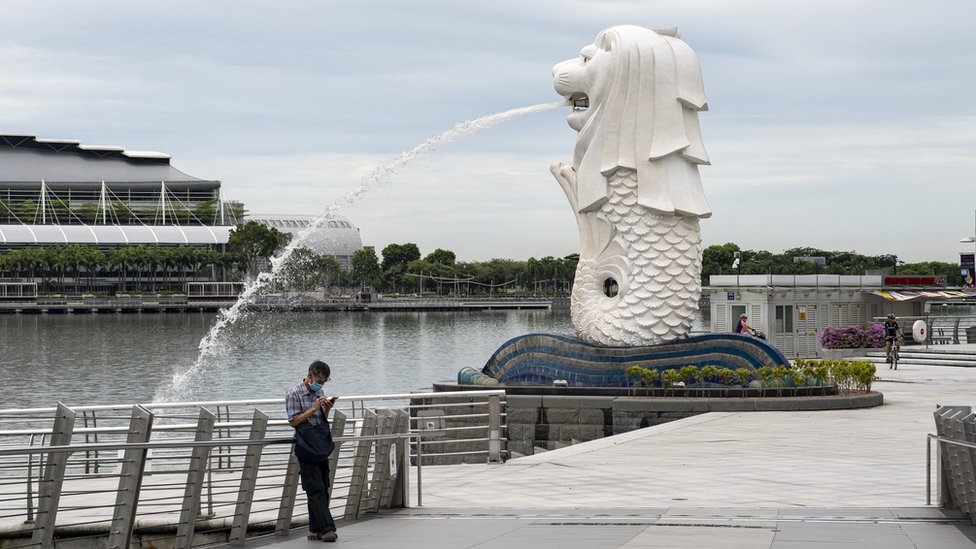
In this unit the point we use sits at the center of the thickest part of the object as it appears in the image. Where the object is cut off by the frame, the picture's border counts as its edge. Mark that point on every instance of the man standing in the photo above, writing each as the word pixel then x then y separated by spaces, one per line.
pixel 308 410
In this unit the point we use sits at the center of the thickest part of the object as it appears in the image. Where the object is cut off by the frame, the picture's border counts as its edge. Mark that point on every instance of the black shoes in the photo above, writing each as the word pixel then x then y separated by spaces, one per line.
pixel 328 537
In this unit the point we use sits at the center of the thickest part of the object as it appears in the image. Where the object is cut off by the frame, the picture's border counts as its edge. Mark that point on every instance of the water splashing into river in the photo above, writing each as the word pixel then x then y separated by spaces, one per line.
pixel 212 345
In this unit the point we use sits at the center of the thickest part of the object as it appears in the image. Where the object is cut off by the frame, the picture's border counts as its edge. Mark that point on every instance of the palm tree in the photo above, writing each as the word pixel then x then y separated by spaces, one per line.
pixel 91 258
pixel 118 260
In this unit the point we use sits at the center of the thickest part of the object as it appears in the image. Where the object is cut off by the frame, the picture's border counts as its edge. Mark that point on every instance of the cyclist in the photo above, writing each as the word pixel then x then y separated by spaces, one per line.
pixel 892 335
pixel 742 327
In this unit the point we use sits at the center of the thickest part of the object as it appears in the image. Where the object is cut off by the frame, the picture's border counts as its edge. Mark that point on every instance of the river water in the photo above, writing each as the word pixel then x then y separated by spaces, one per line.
pixel 113 359
pixel 121 359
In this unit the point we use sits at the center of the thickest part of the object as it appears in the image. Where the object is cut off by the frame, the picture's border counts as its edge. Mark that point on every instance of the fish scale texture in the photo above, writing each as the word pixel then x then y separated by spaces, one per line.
pixel 658 298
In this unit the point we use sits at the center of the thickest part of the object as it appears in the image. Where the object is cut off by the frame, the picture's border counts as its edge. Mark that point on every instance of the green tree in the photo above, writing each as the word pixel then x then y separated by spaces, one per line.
pixel 27 211
pixel 87 212
pixel 306 270
pixel 396 257
pixel 254 243
pixel 365 267
pixel 441 257
pixel 206 212
pixel 91 258
pixel 717 259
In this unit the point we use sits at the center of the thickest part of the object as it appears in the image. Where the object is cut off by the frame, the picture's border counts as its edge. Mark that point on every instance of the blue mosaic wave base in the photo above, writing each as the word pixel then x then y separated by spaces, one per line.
pixel 540 359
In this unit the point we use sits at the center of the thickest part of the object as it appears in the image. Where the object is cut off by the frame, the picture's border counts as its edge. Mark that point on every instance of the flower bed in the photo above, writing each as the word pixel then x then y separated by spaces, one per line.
pixel 847 376
pixel 852 337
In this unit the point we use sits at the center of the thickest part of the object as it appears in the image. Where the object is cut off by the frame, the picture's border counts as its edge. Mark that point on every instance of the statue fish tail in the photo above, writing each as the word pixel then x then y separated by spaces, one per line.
pixel 652 261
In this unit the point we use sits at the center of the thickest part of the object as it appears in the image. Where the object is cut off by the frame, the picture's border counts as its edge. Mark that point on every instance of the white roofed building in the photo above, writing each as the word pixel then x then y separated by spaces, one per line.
pixel 59 191
pixel 336 236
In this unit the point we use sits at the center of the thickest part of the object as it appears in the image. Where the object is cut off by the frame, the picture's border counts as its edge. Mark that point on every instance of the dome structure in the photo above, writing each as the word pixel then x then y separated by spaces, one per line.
pixel 337 236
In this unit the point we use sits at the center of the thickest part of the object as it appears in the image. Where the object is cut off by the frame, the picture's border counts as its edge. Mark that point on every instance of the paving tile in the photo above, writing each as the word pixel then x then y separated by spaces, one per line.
pixel 680 537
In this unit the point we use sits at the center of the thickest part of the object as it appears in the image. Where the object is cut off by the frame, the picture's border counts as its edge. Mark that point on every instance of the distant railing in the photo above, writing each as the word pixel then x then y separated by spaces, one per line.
pixel 171 473
pixel 952 329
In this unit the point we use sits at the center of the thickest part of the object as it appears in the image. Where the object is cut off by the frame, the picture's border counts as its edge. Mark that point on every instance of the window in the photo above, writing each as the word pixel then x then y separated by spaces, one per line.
pixel 784 319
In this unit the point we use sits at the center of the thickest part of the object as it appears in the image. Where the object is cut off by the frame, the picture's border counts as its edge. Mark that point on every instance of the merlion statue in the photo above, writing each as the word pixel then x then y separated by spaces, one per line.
pixel 635 190
pixel 634 185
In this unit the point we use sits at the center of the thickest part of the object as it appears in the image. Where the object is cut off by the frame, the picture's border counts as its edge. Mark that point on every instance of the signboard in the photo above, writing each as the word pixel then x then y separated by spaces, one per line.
pixel 915 280
pixel 730 296
pixel 802 311
pixel 967 270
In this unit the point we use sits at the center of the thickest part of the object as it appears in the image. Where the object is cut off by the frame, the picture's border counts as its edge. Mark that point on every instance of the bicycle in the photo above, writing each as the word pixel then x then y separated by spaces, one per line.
pixel 893 354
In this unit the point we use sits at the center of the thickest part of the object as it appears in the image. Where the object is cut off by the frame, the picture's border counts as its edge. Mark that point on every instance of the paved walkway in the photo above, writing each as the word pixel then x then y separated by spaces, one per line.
pixel 845 478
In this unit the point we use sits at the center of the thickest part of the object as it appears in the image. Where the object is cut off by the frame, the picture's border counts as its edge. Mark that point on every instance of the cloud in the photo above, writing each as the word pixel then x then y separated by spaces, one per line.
pixel 827 120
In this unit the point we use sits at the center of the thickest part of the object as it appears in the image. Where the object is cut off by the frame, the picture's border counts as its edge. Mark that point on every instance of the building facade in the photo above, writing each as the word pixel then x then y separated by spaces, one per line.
pixel 794 309
pixel 59 191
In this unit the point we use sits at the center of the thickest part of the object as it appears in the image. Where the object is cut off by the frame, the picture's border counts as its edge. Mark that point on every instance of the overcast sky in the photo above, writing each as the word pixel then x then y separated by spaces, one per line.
pixel 843 125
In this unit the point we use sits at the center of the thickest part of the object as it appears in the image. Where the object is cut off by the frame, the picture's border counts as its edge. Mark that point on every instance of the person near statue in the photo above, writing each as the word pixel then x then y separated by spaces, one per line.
pixel 742 327
pixel 308 410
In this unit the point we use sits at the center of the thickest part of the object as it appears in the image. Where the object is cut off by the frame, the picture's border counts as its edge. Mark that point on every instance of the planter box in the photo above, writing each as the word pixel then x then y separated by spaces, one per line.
pixel 840 354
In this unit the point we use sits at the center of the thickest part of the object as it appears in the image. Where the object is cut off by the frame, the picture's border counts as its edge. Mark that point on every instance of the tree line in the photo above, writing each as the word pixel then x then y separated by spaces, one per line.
pixel 400 268
pixel 719 258
pixel 403 270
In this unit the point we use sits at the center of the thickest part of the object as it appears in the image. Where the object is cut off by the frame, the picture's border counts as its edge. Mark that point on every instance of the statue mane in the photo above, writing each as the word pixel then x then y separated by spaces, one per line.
pixel 644 118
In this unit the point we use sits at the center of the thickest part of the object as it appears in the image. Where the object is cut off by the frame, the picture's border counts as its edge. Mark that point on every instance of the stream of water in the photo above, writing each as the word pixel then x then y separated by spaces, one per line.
pixel 213 344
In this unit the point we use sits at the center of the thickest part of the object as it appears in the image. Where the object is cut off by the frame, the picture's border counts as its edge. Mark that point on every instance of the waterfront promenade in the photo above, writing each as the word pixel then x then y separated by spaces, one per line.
pixel 777 480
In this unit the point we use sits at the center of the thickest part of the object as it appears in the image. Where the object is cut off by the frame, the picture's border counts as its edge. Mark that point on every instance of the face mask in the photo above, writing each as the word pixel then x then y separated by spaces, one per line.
pixel 315 387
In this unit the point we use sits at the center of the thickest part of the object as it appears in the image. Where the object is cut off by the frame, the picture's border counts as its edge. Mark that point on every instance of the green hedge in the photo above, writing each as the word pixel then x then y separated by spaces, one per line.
pixel 847 375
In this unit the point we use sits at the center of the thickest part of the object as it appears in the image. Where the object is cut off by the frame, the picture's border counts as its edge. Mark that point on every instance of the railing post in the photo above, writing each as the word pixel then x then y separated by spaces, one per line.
pixel 194 480
pixel 249 479
pixel 494 429
pixel 928 470
pixel 338 425
pixel 360 461
pixel 49 489
pixel 420 469
pixel 130 479
pixel 289 490
pixel 400 496
pixel 381 487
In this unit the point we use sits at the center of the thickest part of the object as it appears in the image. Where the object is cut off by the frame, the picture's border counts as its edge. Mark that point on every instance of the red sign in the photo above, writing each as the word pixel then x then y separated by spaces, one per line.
pixel 915 280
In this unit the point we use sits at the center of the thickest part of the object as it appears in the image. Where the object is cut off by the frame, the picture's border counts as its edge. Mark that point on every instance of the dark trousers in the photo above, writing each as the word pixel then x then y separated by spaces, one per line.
pixel 315 482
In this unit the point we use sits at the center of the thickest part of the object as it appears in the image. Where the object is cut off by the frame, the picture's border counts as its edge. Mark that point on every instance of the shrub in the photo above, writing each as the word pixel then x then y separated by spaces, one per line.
pixel 688 374
pixel 707 374
pixel 670 378
pixel 742 377
pixel 848 376
pixel 649 376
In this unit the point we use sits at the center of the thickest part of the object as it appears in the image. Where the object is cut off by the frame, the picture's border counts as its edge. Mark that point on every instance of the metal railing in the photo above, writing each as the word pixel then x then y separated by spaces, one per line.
pixel 218 471
pixel 956 464
pixel 950 329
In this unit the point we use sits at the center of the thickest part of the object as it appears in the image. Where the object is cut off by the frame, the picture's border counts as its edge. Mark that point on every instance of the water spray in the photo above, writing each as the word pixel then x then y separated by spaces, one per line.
pixel 210 344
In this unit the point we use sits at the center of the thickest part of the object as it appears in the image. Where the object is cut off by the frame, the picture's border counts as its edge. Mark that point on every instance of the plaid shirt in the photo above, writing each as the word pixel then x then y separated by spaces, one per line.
pixel 299 398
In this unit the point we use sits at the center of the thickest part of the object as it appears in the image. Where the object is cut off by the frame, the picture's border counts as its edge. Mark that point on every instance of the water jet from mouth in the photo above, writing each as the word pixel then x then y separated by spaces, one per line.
pixel 211 345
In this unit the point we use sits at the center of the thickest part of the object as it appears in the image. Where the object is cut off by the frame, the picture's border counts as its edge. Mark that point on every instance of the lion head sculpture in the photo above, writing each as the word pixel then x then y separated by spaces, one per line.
pixel 636 95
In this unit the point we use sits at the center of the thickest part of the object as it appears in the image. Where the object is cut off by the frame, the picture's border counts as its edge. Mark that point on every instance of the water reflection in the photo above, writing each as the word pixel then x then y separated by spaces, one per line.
pixel 108 359
pixel 111 359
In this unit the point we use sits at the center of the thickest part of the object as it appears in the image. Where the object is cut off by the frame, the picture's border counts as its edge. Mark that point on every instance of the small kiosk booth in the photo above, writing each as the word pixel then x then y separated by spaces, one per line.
pixel 794 309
